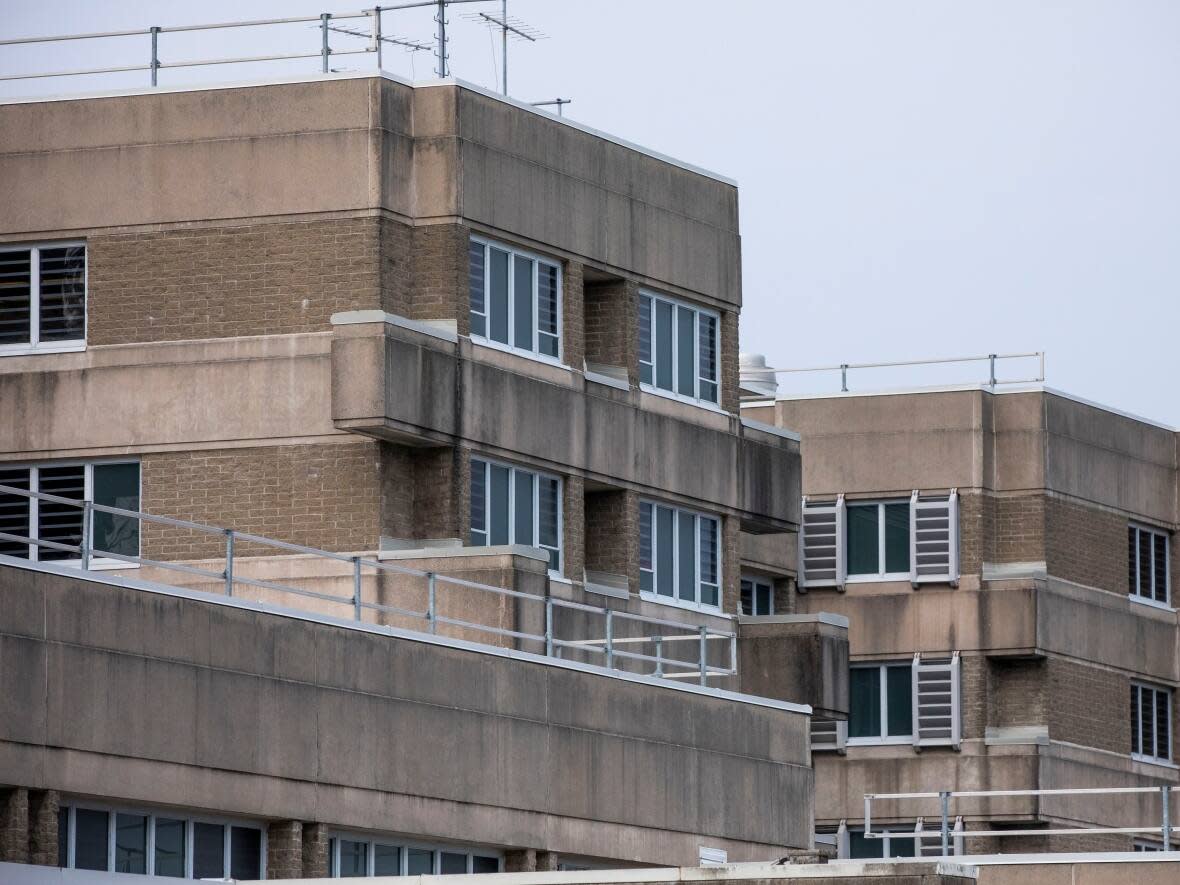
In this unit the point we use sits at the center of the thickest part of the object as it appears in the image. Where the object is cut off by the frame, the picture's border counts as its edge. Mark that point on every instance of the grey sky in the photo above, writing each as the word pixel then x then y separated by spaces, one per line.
pixel 917 178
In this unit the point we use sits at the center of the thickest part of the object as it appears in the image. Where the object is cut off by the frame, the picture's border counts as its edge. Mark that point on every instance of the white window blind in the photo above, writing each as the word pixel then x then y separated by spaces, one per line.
pixel 934 538
pixel 821 544
pixel 828 735
pixel 936 701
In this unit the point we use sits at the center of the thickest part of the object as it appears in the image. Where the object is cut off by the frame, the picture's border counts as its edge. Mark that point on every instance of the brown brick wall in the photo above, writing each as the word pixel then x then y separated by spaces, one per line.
pixel 315 851
pixel 1088 705
pixel 43 808
pixel 397 266
pixel 325 496
pixel 439 288
pixel 731 565
pixel 437 481
pixel 573 322
pixel 1018 529
pixel 1086 545
pixel 976 516
pixel 573 527
pixel 220 282
pixel 729 360
pixel 611 325
pixel 975 695
pixel 612 534
pixel 14 825
pixel 284 849
pixel 1018 693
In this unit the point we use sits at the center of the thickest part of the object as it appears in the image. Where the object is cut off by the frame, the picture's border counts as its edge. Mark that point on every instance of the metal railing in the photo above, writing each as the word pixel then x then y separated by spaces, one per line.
pixel 991 359
pixel 945 831
pixel 376 37
pixel 693 664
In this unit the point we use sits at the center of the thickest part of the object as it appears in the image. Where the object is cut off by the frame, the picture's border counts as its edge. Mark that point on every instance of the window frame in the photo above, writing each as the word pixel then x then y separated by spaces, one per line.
pixel 881 575
pixel 537 474
pixel 112 810
pixel 486 340
pixel 97 563
pixel 697 400
pixel 884 739
pixel 653 595
pixel 1137 723
pixel 34 345
pixel 889 833
pixel 403 845
pixel 1133 593
pixel 756 581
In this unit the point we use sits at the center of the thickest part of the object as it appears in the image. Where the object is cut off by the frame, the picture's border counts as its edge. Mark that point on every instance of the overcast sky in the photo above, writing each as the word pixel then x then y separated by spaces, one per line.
pixel 918 179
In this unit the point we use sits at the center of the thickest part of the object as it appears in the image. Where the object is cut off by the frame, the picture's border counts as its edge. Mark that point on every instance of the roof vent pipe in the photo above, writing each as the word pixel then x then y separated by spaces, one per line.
pixel 756 380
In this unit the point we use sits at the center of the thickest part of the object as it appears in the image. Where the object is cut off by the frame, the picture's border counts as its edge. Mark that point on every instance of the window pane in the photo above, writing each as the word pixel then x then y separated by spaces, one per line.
pixel 499 505
pixel 1160 567
pixel 451 863
pixel 1136 746
pixel 387 860
pixel 645 548
pixel 863 540
pixel 479 501
pixel 747 597
pixel 522 294
pixel 208 851
pixel 899 689
pixel 485 864
pixel 354 858
pixel 61 523
pixel 90 839
pixel 860 847
pixel 1163 726
pixel 419 862
pixel 664 552
pixel 707 337
pixel 1147 718
pixel 116 485
pixel 686 373
pixel 522 530
pixel 662 344
pixel 130 843
pixel 550 519
pixel 547 295
pixel 498 304
pixel 762 599
pixel 687 578
pixel 14 511
pixel 864 702
pixel 897 538
pixel 63 836
pixel 170 847
pixel 16 297
pixel 1145 564
pixel 63 293
pixel 901 846
pixel 1132 549
pixel 475 282
pixel 245 857
pixel 709 570
pixel 645 369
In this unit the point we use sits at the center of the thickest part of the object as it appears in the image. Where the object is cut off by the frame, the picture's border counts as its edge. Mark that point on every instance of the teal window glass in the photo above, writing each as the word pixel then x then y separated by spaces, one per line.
pixel 354 858
pixel 475 287
pixel 387 860
pixel 90 839
pixel 863 547
pixel 665 551
pixel 419 862
pixel 450 863
pixel 130 843
pixel 663 345
pixel 864 702
pixel 897 538
pixel 116 485
pixel 245 853
pixel 861 848
pixel 208 851
pixel 686 375
pixel 522 303
pixel 498 303
pixel 170 839
pixel 899 701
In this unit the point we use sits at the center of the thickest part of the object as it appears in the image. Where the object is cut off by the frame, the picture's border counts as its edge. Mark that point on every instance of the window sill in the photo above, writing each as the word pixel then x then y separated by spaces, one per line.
pixel 680 603
pixel 97 565
pixel 1150 603
pixel 899 741
pixel 878 579
pixel 523 354
pixel 681 398
pixel 34 350
pixel 1151 760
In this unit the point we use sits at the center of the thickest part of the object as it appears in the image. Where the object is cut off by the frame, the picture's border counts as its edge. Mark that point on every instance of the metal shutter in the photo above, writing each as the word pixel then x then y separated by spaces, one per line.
pixel 828 735
pixel 934 538
pixel 821 544
pixel 936 702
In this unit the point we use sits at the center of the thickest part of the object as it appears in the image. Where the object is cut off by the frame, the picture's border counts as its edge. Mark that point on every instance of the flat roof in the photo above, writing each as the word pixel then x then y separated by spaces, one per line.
pixel 361 75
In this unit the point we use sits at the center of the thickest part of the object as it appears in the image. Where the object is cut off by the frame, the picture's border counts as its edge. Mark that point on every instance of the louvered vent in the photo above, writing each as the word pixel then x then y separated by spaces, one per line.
pixel 936 701
pixel 821 544
pixel 934 536
pixel 828 735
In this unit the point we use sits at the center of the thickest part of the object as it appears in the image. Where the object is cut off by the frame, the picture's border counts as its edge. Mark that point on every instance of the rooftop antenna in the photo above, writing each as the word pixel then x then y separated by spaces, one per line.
pixel 377 38
pixel 519 30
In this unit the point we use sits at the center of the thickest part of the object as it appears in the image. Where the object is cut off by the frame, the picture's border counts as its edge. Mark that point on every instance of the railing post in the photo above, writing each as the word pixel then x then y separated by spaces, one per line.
pixel 356 587
pixel 84 551
pixel 704 655
pixel 991 360
pixel 944 797
pixel 155 52
pixel 377 41
pixel 844 378
pixel 659 656
pixel 549 626
pixel 610 639
pixel 325 51
pixel 1165 796
pixel 229 562
pixel 430 603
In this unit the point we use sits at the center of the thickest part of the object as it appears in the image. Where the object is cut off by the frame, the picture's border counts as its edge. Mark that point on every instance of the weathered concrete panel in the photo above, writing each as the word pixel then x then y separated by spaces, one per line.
pixel 795 658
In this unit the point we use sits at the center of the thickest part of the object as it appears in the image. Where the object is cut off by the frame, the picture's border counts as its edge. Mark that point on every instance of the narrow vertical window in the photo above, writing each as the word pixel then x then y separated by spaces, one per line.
pixel 208 851
pixel 91 839
pixel 707 324
pixel 1151 722
pixel 710 573
pixel 476 267
pixel 116 485
pixel 498 302
pixel 548 292
pixel 170 847
pixel 245 859
pixel 646 547
pixel 686 347
pixel 42 298
pixel 131 843
pixel 62 293
pixel 646 367
pixel 59 523
pixel 15 513
pixel 1148 575
pixel 16 297
pixel 549 499
pixel 479 503
pixel 522 303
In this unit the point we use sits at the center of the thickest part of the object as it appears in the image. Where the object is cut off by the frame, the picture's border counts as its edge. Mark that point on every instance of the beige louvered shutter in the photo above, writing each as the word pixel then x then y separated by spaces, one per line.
pixel 934 538
pixel 936 687
pixel 828 735
pixel 821 544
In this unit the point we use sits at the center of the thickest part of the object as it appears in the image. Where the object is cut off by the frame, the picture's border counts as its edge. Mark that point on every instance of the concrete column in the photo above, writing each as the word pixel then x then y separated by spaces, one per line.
pixel 43 835
pixel 547 861
pixel 284 850
pixel 520 860
pixel 315 851
pixel 14 826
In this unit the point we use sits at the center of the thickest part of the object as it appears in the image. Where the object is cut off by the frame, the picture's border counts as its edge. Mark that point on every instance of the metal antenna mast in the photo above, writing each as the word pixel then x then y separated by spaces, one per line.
pixel 441 18
pixel 507 26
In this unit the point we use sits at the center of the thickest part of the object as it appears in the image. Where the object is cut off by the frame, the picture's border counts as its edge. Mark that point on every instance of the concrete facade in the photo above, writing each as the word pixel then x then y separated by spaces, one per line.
pixel 1049 635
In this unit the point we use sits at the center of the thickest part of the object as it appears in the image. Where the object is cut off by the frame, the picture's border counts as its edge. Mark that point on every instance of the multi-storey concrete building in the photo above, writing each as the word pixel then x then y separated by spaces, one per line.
pixel 421 336
pixel 1004 558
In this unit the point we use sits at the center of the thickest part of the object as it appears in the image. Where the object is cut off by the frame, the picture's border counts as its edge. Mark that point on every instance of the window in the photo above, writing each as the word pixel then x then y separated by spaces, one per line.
pixel 878 543
pixel 893 843
pixel 515 298
pixel 42 298
pixel 757 596
pixel 679 350
pixel 136 841
pixel 1151 723
pixel 880 707
pixel 111 484
pixel 1147 845
pixel 679 558
pixel 514 506
pixel 1147 560
pixel 359 856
